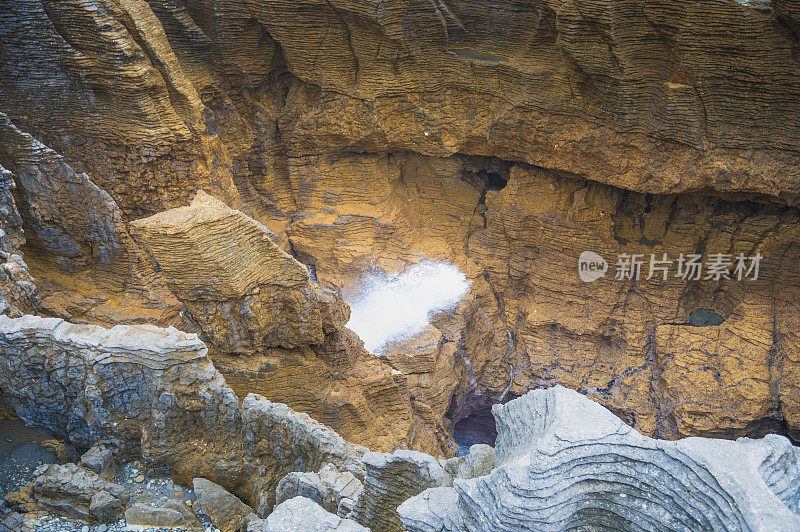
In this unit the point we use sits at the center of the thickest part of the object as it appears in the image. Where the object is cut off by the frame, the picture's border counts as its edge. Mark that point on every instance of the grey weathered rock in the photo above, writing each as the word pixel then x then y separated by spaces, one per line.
pixel 172 514
pixel 326 487
pixel 295 443
pixel 76 221
pixel 478 462
pixel 225 509
pixel 76 492
pixel 565 462
pixel 98 459
pixel 18 291
pixel 153 388
pixel 300 513
pixel 85 383
pixel 390 480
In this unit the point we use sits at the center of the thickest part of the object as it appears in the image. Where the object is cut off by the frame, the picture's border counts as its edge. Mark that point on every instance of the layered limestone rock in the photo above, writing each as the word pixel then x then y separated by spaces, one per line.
pixel 78 493
pixel 328 487
pixel 473 132
pixel 155 390
pixel 78 243
pixel 563 461
pixel 18 292
pixel 248 297
pixel 391 479
pixel 246 294
pixel 300 513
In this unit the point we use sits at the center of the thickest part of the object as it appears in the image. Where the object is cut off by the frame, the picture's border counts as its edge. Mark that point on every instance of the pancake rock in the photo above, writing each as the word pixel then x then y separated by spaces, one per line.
pixel 504 137
pixel 155 390
pixel 248 297
pixel 328 488
pixel 391 479
pixel 563 461
pixel 79 240
pixel 246 294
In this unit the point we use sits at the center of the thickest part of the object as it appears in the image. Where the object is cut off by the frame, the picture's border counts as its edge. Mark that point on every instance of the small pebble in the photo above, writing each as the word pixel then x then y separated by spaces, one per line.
pixel 101 528
pixel 85 528
pixel 188 502
pixel 139 479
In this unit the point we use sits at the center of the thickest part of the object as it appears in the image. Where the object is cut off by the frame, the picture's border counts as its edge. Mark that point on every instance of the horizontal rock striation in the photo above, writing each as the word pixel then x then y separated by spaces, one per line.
pixel 249 297
pixel 505 137
pixel 153 390
pixel 565 462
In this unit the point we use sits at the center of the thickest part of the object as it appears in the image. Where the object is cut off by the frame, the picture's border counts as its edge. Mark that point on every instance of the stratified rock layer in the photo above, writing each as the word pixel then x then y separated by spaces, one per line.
pixel 565 462
pixel 142 387
pixel 248 297
pixel 506 137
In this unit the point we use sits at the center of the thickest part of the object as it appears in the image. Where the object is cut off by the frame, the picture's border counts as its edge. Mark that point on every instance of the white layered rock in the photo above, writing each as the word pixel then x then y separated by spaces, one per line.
pixel 564 462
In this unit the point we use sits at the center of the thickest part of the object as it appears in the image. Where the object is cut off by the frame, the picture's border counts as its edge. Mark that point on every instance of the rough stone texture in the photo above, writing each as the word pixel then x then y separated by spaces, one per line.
pixel 98 458
pixel 300 513
pixel 79 240
pixel 85 383
pixel 157 390
pixel 368 134
pixel 78 493
pixel 390 480
pixel 477 463
pixel 11 521
pixel 246 293
pixel 225 509
pixel 327 487
pixel 565 462
pixel 248 296
pixel 173 514
pixel 284 441
pixel 18 292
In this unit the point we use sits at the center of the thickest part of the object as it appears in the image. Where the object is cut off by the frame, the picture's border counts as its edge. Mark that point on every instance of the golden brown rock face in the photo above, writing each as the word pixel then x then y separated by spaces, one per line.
pixel 275 332
pixel 504 137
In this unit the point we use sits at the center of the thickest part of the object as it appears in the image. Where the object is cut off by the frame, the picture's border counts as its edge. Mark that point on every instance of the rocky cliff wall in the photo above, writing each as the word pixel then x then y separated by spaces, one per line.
pixel 505 137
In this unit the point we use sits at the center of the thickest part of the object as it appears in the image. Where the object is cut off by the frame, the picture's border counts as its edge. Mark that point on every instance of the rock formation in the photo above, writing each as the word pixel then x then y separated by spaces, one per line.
pixel 76 492
pixel 503 137
pixel 156 391
pixel 248 297
pixel 299 513
pixel 225 509
pixel 390 480
pixel 563 461
pixel 506 139
pixel 171 515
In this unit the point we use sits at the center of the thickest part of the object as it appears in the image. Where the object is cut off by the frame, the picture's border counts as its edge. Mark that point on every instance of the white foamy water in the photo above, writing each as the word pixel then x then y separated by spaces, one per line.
pixel 392 307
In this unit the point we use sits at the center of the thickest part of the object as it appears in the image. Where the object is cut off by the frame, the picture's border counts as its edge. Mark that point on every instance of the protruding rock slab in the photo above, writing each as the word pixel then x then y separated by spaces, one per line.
pixel 244 291
pixel 565 462
pixel 225 509
pixel 390 480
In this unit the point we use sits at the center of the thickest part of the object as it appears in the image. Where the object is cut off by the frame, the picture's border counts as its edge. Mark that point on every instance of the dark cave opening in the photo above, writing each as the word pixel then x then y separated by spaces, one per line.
pixel 478 426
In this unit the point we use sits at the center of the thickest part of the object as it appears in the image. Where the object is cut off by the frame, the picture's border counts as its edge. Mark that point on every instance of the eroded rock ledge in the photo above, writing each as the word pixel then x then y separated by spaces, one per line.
pixel 561 460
